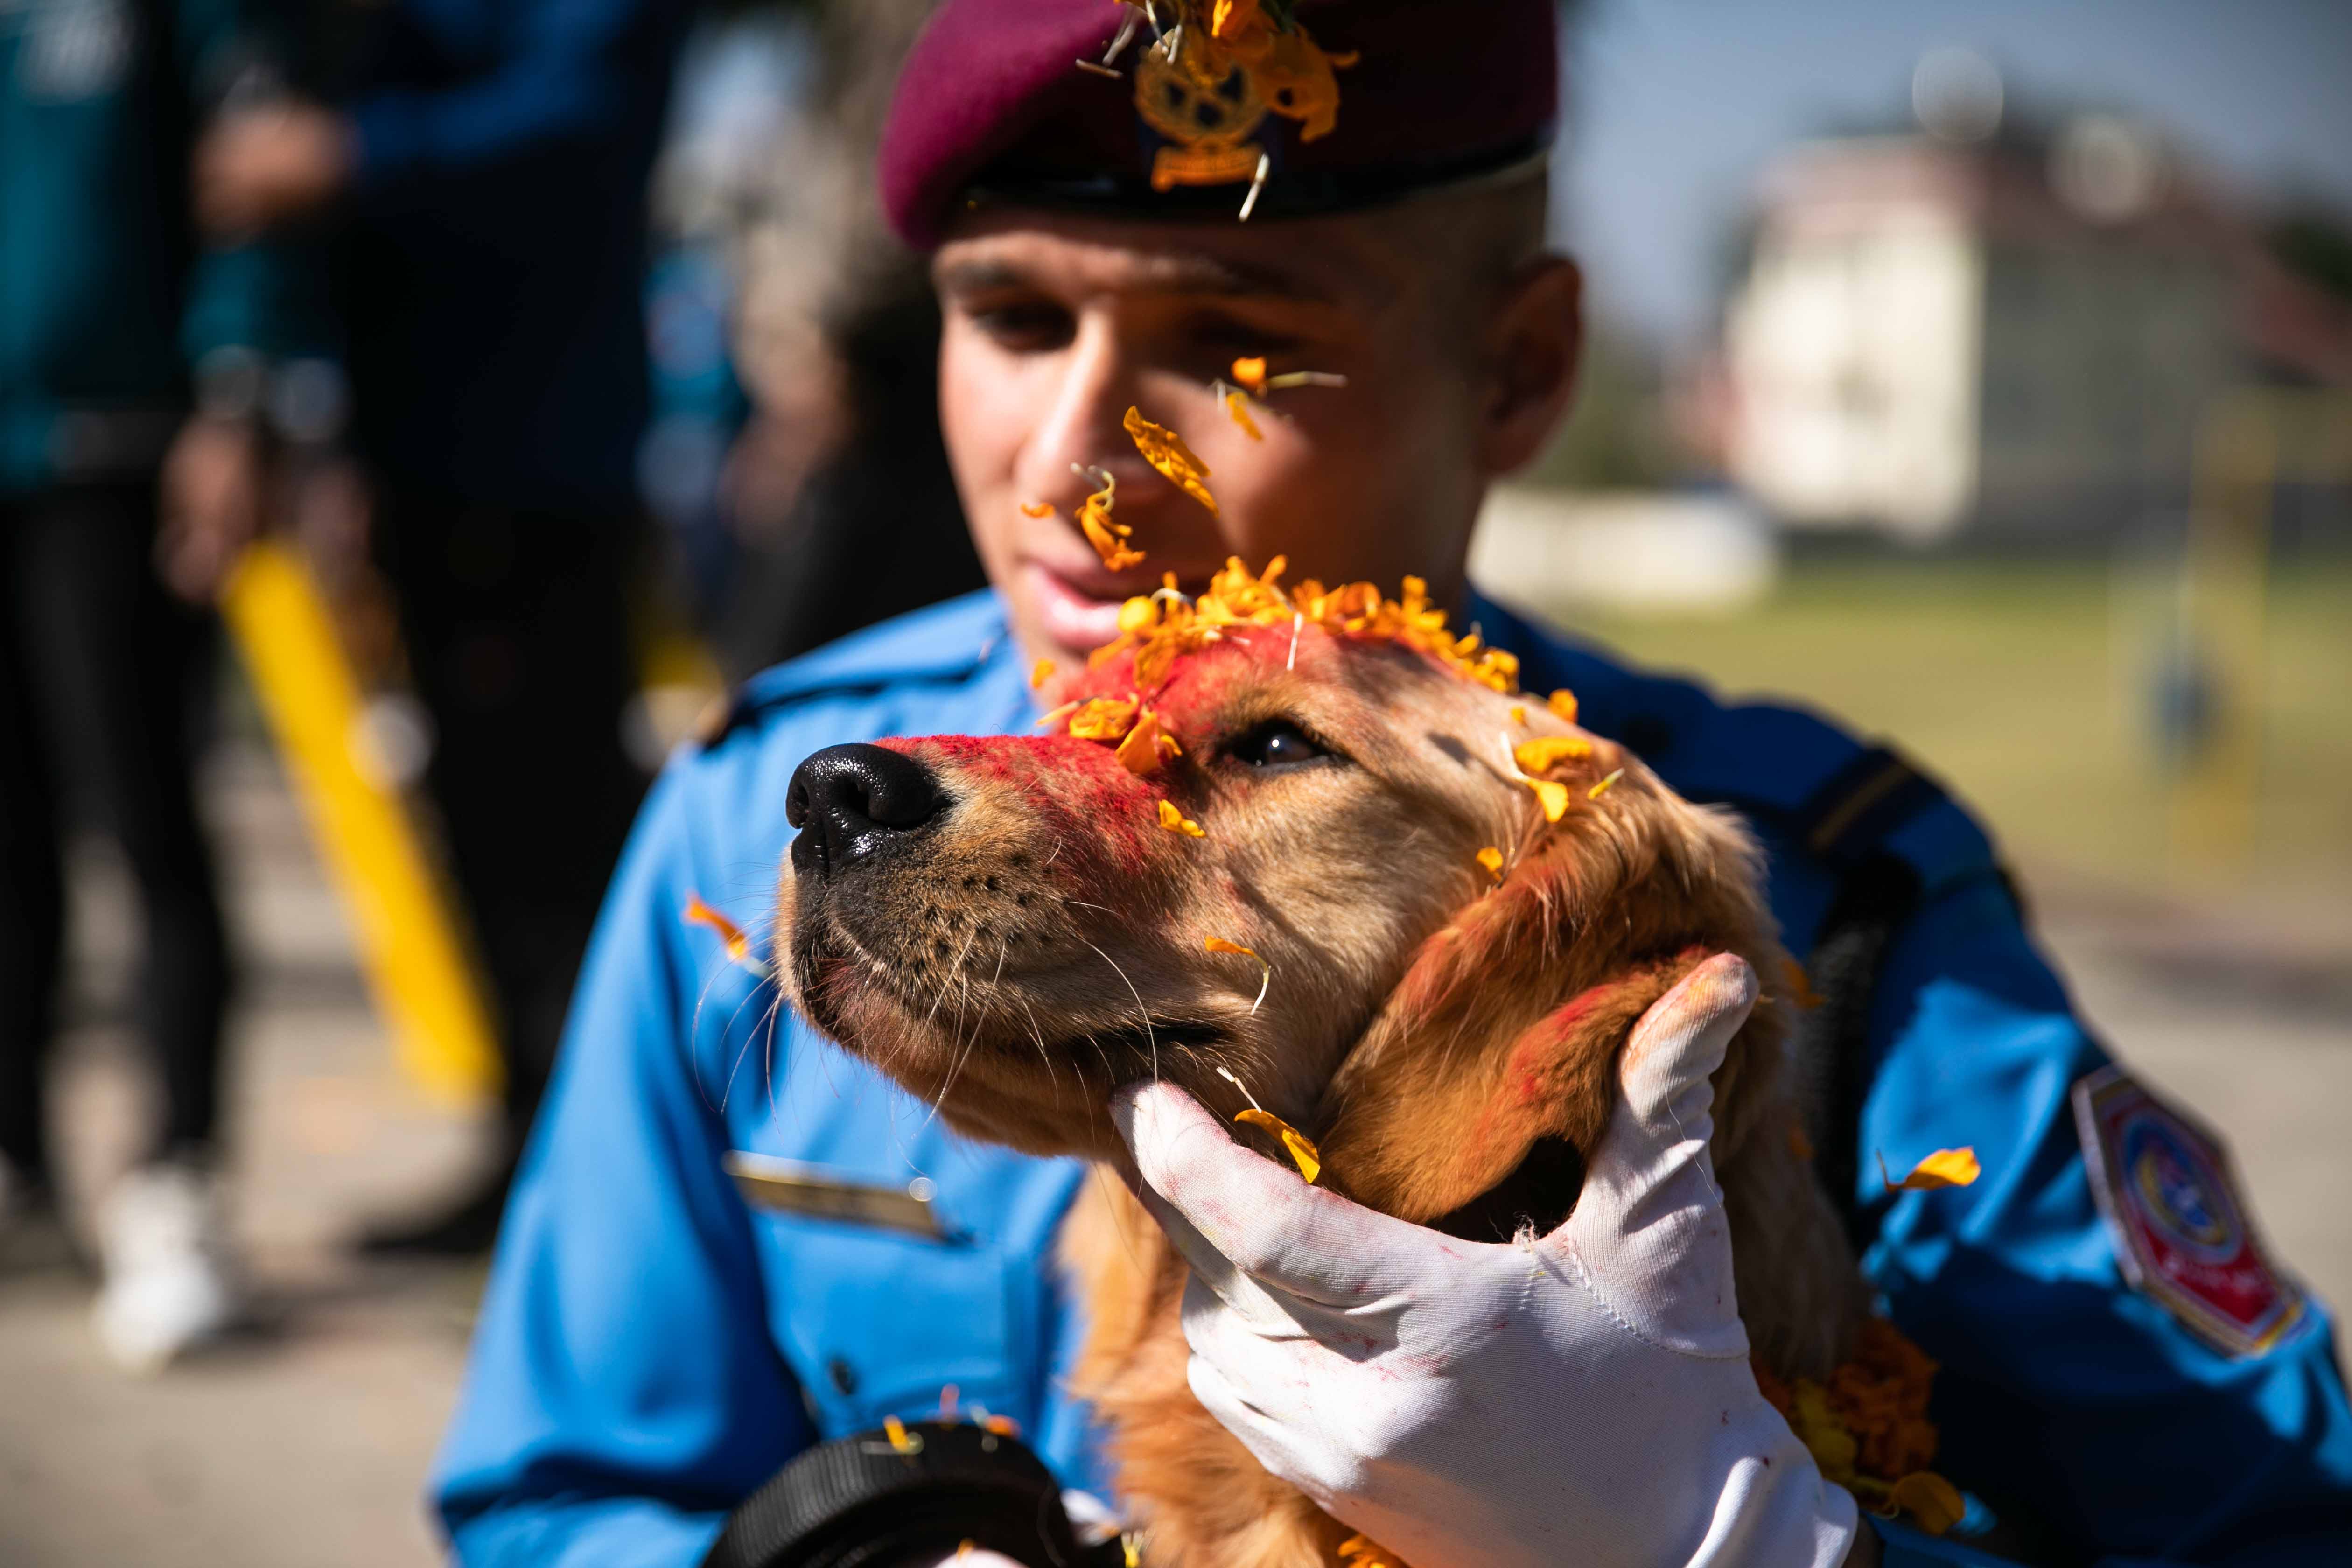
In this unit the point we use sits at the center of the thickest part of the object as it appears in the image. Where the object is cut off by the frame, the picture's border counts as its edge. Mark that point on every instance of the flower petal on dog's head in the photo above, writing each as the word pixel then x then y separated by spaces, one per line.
pixel 1548 752
pixel 1563 704
pixel 1175 821
pixel 1552 793
pixel 1492 858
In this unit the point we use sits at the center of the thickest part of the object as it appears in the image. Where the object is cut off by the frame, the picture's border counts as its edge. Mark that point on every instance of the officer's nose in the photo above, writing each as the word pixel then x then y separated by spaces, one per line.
pixel 851 803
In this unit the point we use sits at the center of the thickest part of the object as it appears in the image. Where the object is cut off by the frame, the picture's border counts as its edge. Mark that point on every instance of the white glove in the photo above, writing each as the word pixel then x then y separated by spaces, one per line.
pixel 1581 1399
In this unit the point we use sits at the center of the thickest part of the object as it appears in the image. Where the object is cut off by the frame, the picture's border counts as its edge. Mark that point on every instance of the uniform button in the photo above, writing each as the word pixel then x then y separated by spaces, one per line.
pixel 844 1375
pixel 1646 734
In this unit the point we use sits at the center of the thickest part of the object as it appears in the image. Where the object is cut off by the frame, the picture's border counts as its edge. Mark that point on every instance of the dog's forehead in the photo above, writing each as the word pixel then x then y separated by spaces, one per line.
pixel 1204 688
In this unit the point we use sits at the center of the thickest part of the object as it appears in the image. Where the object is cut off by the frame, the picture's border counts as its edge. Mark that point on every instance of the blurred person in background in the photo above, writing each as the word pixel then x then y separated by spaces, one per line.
pixel 837 499
pixel 486 165
pixel 114 324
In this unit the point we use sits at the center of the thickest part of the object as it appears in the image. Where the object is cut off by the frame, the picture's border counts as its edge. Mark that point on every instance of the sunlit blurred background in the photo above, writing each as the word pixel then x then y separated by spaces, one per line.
pixel 1978 372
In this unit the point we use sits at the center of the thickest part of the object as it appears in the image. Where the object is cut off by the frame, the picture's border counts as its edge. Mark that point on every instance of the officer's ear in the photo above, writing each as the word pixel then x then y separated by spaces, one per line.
pixel 1535 333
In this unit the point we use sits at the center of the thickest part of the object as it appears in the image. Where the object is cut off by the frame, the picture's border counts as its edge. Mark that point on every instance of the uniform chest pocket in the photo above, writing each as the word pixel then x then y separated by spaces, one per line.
pixel 876 1323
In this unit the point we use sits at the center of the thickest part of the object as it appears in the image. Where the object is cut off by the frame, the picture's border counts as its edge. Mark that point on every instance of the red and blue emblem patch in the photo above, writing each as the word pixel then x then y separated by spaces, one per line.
pixel 2183 1234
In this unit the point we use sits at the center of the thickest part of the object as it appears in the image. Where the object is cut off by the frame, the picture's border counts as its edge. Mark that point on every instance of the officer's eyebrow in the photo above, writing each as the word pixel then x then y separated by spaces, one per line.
pixel 1174 274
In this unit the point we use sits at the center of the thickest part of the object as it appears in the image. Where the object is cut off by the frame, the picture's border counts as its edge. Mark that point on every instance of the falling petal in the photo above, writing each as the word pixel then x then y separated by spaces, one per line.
pixel 1237 405
pixel 901 1439
pixel 1165 450
pixel 730 935
pixel 1042 673
pixel 1944 1168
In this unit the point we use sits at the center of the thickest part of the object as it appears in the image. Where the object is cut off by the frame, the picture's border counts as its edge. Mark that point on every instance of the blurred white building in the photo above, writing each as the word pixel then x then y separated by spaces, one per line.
pixel 1940 334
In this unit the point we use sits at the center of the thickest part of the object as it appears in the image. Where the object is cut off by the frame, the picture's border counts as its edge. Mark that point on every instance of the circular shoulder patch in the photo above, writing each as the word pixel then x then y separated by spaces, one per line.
pixel 2183 1235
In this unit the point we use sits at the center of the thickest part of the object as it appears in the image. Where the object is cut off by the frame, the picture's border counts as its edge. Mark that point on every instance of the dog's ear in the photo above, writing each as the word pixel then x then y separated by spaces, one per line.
pixel 1506 1027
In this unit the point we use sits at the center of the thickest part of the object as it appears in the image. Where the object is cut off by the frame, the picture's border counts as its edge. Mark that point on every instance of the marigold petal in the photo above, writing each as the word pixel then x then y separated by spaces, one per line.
pixel 1165 450
pixel 1041 672
pixel 1492 858
pixel 1301 1148
pixel 1554 796
pixel 1250 373
pixel 1037 508
pixel 1563 704
pixel 1944 1168
pixel 1933 1503
pixel 732 936
pixel 1548 752
pixel 1140 752
pixel 1237 405
pixel 1103 719
pixel 1518 713
pixel 1175 821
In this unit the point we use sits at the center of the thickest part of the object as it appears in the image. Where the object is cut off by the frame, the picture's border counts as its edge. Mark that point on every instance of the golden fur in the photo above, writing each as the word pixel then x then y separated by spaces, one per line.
pixel 1041 942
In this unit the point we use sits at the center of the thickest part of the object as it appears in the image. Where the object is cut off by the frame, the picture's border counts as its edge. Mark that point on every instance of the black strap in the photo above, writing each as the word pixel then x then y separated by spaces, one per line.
pixel 1874 901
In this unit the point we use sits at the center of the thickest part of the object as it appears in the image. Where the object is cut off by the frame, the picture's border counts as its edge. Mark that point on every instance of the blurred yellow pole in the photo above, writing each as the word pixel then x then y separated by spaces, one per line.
pixel 2249 442
pixel 417 966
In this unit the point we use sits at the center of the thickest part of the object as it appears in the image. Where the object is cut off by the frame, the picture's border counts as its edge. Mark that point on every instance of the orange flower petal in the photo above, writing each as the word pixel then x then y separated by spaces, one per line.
pixel 1037 508
pixel 1042 673
pixel 1165 450
pixel 1518 713
pixel 1266 970
pixel 1250 373
pixel 1238 407
pixel 1933 1503
pixel 730 935
pixel 1103 719
pixel 1492 858
pixel 1553 794
pixel 1175 821
pixel 1301 1148
pixel 1548 752
pixel 1141 751
pixel 1563 704
pixel 1944 1168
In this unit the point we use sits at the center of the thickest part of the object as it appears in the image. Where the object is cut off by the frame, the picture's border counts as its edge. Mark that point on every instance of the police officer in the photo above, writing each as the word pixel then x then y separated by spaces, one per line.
pixel 731 1242
pixel 489 161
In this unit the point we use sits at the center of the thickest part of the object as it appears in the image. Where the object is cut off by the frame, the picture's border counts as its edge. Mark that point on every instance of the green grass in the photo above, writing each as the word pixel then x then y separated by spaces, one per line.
pixel 2024 685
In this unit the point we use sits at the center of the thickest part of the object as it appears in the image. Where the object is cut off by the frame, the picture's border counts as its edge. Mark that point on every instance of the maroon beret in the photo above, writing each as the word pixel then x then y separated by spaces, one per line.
pixel 993 106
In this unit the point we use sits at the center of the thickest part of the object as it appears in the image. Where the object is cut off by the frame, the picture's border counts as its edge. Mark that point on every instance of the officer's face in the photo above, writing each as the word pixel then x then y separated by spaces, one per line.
pixel 1056 326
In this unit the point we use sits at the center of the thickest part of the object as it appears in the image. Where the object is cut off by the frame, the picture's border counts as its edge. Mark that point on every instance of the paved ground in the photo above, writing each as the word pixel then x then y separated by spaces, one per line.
pixel 307 1443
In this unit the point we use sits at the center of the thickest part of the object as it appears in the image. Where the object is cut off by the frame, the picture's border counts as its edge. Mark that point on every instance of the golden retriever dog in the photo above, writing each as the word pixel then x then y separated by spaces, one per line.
pixel 1013 928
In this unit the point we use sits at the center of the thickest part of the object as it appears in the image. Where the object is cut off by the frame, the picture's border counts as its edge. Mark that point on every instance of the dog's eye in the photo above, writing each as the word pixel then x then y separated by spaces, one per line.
pixel 1278 744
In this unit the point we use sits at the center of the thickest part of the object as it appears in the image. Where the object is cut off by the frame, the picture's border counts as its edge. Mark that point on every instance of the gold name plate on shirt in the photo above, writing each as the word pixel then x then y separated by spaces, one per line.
pixel 791 1187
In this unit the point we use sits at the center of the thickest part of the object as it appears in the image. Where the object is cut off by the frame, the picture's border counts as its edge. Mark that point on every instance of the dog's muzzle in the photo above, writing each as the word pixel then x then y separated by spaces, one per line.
pixel 855 805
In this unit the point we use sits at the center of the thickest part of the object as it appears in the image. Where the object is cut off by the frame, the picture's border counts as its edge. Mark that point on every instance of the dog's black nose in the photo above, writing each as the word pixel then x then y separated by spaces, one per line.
pixel 851 803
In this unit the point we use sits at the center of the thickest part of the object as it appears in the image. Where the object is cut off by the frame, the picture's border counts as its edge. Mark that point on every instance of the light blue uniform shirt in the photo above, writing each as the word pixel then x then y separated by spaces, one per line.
pixel 651 1348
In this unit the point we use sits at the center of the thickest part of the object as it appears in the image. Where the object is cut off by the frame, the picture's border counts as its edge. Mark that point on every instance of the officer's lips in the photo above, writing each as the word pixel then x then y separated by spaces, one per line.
pixel 1076 611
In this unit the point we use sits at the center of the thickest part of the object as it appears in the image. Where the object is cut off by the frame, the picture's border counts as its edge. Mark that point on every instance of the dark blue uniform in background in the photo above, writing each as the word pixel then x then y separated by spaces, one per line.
pixel 652 1348
pixel 491 272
